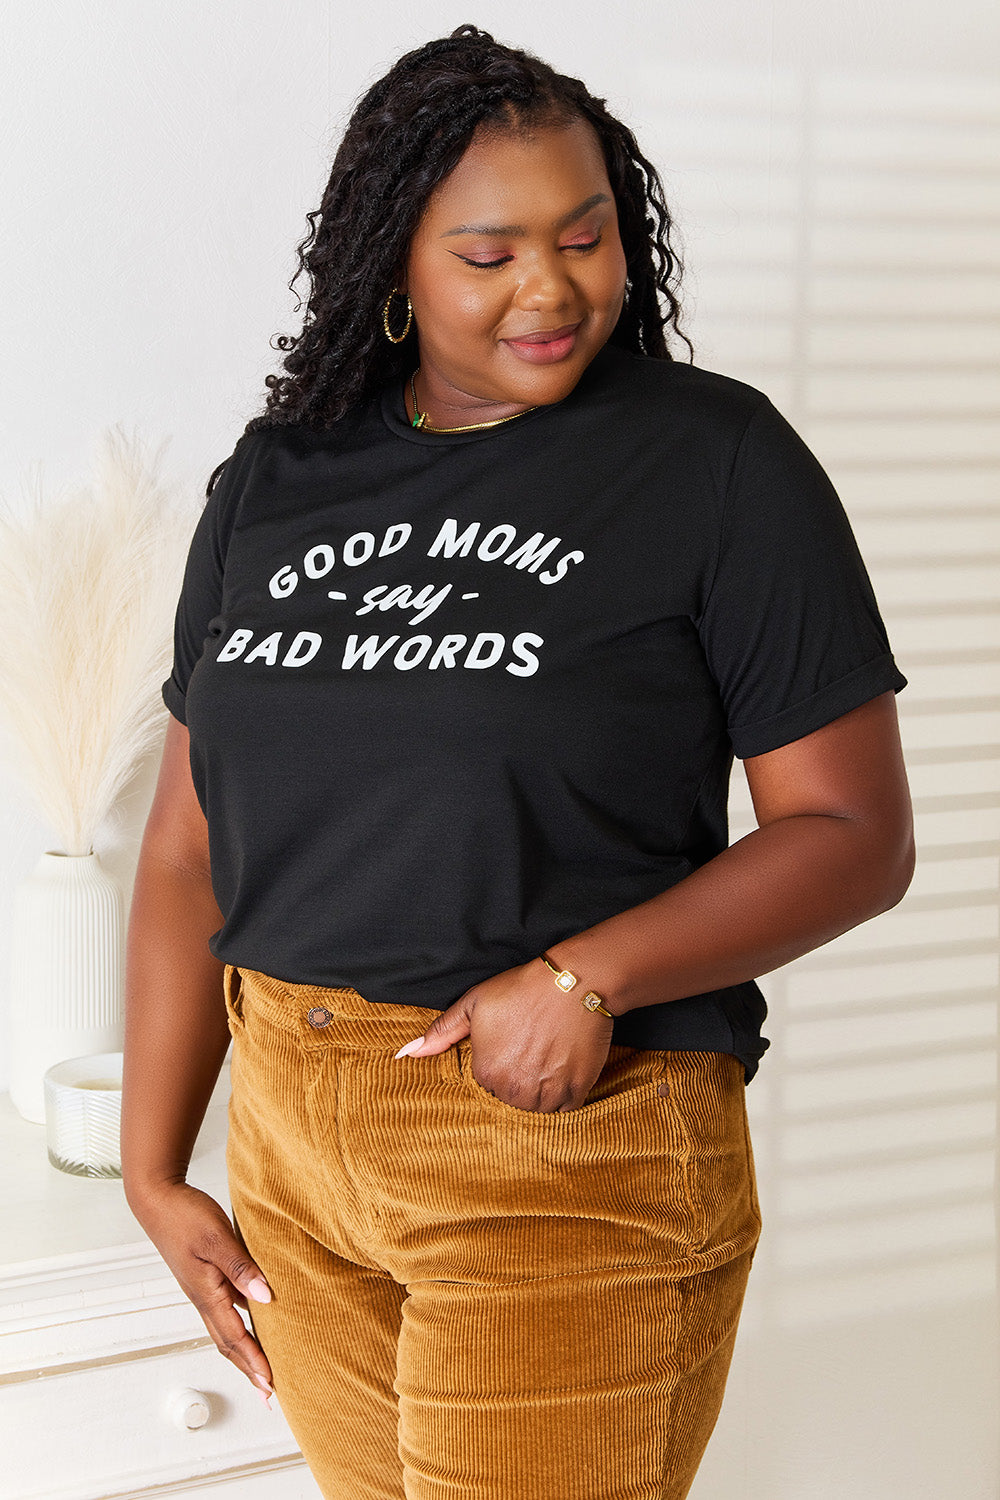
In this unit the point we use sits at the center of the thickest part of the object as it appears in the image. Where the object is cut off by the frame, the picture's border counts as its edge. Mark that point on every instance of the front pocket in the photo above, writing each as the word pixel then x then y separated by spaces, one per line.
pixel 629 1072
pixel 232 994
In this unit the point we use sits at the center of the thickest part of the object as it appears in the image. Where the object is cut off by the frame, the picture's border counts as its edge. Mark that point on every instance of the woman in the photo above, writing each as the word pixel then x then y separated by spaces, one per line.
pixel 476 616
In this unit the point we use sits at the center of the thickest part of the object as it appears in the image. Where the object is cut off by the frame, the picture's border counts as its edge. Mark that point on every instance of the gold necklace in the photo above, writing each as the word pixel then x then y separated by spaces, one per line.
pixel 419 418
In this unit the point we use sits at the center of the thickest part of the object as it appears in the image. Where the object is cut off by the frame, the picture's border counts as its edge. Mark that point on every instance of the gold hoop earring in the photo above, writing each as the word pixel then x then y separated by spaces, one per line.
pixel 392 337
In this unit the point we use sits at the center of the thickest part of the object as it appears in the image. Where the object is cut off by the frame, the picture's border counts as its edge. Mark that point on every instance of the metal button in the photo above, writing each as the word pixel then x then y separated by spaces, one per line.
pixel 319 1016
pixel 663 1089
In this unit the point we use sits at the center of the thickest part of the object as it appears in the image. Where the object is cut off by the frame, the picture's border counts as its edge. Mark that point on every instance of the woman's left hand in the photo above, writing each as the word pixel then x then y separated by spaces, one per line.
pixel 533 1046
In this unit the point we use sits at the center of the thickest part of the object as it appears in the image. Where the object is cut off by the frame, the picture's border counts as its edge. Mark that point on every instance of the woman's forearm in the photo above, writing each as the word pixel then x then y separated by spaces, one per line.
pixel 778 893
pixel 176 1034
pixel 834 847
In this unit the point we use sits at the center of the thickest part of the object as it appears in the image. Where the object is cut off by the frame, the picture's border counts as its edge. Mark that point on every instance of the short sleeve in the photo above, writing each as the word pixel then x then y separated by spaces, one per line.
pixel 201 591
pixel 791 628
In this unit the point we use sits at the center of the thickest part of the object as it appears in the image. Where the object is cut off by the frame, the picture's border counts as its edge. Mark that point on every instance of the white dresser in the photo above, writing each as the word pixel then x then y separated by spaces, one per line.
pixel 110 1387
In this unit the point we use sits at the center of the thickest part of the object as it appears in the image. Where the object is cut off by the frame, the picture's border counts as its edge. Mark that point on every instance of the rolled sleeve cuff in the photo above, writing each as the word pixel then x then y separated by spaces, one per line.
pixel 175 700
pixel 878 676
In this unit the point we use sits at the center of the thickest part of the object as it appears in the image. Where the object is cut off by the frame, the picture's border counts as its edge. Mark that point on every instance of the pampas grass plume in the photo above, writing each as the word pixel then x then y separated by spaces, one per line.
pixel 88 587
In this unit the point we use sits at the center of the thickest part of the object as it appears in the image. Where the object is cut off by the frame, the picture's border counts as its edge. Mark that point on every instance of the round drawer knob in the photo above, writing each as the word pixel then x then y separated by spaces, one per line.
pixel 188 1409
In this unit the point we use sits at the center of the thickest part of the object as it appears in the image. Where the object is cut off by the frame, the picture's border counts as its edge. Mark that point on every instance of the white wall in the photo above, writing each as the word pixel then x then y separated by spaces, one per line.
pixel 836 172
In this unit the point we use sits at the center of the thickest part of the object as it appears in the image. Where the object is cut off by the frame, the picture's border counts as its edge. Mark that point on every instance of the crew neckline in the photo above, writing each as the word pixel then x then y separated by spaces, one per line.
pixel 394 410
pixel 396 419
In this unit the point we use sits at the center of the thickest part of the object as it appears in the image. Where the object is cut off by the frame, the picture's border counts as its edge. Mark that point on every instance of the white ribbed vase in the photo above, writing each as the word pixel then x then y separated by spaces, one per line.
pixel 67 971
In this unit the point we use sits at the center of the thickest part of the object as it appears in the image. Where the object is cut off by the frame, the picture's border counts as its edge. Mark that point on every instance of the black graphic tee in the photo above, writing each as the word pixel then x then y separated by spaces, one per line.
pixel 454 698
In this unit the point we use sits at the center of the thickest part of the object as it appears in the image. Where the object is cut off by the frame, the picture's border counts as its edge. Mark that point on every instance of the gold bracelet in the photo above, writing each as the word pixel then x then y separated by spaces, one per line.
pixel 567 981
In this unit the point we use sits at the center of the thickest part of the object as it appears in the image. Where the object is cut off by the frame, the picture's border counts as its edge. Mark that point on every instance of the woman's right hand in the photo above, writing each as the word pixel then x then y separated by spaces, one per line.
pixel 195 1237
pixel 174 1052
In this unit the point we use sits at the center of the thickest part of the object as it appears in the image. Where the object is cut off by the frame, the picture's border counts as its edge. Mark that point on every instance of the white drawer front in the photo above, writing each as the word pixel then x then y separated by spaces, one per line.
pixel 109 1429
pixel 274 1484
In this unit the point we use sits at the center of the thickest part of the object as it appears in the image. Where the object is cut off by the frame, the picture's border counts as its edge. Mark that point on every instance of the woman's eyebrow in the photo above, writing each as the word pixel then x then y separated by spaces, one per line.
pixel 519 229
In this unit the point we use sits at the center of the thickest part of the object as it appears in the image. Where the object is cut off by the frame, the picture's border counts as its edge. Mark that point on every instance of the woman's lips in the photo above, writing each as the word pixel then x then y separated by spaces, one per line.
pixel 545 347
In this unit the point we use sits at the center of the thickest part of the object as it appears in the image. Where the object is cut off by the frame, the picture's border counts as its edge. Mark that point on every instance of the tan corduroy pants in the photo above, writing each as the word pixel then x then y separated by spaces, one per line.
pixel 477 1302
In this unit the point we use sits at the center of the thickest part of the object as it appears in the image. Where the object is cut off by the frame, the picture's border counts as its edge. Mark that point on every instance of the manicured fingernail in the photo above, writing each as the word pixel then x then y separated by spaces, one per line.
pixel 264 1384
pixel 265 1398
pixel 410 1047
pixel 259 1290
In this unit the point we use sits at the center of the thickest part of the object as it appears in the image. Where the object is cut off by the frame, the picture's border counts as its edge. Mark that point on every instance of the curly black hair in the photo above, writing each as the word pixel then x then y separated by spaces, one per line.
pixel 408 132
